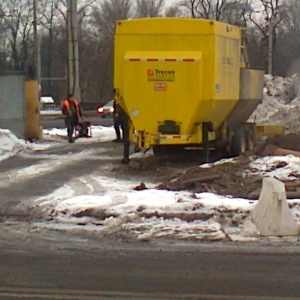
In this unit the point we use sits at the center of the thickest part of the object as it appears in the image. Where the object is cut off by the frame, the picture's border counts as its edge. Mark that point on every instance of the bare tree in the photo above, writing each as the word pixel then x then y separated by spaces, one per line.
pixel 53 27
pixel 235 12
pixel 205 9
pixel 292 20
pixel 108 13
pixel 288 39
pixel 173 11
pixel 261 17
pixel 18 26
pixel 149 8
pixel 3 41
pixel 267 20
pixel 101 41
pixel 219 10
pixel 49 22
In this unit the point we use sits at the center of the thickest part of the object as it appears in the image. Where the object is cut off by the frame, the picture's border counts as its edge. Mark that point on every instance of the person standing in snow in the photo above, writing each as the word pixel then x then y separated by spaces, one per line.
pixel 119 117
pixel 72 114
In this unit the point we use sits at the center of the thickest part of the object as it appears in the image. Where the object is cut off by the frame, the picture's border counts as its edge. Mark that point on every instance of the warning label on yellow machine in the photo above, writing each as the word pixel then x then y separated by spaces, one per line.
pixel 160 86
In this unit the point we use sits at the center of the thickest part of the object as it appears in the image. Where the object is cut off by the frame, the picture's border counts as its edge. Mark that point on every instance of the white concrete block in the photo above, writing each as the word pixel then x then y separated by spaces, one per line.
pixel 272 215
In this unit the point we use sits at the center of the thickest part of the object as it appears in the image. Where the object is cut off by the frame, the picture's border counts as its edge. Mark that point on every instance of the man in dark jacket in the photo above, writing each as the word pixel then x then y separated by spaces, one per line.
pixel 119 117
pixel 72 115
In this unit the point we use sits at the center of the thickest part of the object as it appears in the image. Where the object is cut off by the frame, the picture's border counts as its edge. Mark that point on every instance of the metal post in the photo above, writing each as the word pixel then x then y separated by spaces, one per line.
pixel 125 159
pixel 73 56
pixel 270 54
pixel 205 141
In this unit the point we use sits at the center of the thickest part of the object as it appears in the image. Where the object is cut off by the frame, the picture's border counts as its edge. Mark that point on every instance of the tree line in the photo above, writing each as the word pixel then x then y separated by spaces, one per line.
pixel 272 28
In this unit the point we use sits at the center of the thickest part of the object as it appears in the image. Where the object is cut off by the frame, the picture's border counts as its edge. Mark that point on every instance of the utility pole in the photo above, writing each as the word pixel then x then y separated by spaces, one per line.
pixel 32 88
pixel 73 52
pixel 36 45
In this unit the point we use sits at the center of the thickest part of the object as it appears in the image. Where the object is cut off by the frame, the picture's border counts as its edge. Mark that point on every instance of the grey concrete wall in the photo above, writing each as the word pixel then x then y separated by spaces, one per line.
pixel 12 104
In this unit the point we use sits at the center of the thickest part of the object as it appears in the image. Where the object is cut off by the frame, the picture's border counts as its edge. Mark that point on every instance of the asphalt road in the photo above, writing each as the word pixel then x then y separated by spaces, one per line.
pixel 156 271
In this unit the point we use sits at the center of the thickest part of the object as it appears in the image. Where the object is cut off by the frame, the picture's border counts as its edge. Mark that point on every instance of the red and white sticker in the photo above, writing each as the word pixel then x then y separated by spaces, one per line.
pixel 160 86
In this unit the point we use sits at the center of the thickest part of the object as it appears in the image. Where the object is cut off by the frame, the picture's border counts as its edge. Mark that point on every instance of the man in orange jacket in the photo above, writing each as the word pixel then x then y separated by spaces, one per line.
pixel 72 115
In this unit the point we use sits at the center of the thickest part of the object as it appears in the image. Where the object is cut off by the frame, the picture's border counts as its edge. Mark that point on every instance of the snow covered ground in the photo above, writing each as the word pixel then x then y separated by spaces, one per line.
pixel 146 214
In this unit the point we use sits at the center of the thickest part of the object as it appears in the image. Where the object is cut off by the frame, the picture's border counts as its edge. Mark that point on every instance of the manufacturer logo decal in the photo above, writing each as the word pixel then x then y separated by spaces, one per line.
pixel 160 75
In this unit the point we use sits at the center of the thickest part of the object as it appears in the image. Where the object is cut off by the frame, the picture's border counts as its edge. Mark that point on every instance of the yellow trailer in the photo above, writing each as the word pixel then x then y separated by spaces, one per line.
pixel 185 82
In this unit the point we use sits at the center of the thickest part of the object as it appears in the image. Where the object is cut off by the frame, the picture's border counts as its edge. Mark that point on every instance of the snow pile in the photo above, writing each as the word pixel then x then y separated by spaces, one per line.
pixel 10 145
pixel 280 87
pixel 150 214
pixel 283 168
pixel 280 105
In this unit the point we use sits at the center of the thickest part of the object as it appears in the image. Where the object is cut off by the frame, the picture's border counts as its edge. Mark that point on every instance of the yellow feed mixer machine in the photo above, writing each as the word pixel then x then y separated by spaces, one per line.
pixel 185 82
